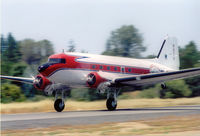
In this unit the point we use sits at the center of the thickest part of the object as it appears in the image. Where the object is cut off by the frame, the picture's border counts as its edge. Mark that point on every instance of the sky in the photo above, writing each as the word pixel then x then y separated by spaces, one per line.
pixel 89 22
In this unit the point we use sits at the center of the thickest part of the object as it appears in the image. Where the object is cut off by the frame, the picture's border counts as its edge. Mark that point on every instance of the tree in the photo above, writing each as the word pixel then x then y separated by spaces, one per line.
pixel 12 53
pixel 151 56
pixel 189 58
pixel 125 41
pixel 189 55
pixel 29 51
pixel 71 47
pixel 194 85
pixel 35 52
pixel 11 93
pixel 177 89
pixel 45 49
pixel 4 45
pixel 11 56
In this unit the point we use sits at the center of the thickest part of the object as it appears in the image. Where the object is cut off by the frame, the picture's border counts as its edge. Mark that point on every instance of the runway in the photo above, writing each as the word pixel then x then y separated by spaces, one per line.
pixel 42 120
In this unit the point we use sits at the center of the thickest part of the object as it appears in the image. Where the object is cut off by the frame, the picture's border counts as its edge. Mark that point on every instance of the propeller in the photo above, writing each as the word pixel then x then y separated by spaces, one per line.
pixel 91 79
pixel 38 81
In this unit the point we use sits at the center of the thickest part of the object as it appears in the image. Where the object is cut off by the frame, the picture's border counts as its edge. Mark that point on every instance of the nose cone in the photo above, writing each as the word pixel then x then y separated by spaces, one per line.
pixel 43 67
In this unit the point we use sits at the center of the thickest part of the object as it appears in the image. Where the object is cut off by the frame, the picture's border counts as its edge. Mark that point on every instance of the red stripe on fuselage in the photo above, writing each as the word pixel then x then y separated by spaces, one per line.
pixel 71 63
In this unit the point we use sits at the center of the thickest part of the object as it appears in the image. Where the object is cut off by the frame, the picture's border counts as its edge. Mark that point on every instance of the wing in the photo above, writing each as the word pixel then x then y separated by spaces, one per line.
pixel 18 79
pixel 156 77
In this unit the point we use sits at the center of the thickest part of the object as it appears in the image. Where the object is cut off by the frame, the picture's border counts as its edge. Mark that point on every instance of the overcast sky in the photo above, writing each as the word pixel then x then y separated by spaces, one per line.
pixel 89 22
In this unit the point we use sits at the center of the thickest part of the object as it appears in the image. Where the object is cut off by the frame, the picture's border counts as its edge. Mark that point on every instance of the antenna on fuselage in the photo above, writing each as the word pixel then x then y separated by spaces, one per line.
pixel 162 46
pixel 63 50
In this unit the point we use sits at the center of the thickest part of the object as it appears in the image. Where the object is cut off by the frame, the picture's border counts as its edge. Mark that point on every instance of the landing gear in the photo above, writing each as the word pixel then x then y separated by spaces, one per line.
pixel 59 105
pixel 111 102
pixel 60 94
pixel 163 85
pixel 163 91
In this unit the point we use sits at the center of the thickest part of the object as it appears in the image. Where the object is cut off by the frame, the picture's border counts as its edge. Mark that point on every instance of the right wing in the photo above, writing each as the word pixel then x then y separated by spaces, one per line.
pixel 138 80
pixel 18 79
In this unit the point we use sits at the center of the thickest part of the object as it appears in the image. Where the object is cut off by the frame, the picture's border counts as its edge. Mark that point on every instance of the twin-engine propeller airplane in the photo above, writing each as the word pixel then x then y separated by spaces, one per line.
pixel 105 73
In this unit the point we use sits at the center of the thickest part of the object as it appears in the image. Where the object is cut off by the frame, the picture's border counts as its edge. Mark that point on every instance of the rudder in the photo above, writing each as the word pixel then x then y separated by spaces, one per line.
pixel 169 53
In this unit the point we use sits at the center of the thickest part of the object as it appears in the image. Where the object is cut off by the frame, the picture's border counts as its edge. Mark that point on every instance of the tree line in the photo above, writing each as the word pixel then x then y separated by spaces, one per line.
pixel 126 41
pixel 21 58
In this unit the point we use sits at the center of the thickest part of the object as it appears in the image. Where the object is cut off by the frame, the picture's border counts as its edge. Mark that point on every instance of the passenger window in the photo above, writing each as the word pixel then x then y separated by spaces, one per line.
pixel 108 67
pixel 115 68
pixel 93 66
pixel 101 67
pixel 123 69
pixel 129 70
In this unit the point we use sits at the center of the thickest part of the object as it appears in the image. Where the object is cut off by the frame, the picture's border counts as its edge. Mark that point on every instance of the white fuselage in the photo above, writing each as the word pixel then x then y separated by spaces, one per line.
pixel 86 63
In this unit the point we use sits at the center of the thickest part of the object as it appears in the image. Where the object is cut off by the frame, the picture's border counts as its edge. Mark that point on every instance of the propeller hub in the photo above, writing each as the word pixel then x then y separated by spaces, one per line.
pixel 41 82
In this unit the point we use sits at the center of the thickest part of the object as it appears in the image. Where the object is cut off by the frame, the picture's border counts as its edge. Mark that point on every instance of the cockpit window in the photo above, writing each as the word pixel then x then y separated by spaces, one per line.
pixel 56 60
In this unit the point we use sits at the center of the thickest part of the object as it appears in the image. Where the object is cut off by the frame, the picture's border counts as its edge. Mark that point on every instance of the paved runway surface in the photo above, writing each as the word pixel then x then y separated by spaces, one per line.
pixel 42 120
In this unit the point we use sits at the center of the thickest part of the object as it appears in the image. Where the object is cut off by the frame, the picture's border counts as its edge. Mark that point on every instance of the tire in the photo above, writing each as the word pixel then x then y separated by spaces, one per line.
pixel 59 105
pixel 111 104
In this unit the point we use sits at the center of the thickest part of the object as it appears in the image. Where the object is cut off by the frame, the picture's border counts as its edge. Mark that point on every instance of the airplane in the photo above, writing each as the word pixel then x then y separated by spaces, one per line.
pixel 108 74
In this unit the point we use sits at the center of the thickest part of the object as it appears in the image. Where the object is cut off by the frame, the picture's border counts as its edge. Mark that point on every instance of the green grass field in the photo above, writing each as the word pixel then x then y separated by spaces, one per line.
pixel 47 104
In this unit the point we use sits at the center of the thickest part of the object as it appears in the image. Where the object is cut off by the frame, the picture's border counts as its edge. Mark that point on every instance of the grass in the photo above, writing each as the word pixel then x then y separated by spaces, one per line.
pixel 47 104
pixel 170 126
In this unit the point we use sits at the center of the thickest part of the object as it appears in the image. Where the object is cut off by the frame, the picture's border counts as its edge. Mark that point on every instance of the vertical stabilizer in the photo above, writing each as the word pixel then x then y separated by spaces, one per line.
pixel 169 54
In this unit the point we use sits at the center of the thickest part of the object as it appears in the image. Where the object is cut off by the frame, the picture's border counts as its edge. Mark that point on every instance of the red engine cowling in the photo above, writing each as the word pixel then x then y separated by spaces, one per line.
pixel 41 82
pixel 94 79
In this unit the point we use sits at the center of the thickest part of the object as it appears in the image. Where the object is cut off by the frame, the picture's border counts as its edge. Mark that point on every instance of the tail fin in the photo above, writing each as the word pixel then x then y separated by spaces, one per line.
pixel 169 54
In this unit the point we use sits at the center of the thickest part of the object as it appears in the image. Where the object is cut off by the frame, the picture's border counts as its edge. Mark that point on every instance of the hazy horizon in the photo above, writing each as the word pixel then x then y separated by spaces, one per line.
pixel 89 23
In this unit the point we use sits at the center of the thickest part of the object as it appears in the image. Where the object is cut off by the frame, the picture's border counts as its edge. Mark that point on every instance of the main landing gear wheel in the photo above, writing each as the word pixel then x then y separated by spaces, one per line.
pixel 59 105
pixel 111 104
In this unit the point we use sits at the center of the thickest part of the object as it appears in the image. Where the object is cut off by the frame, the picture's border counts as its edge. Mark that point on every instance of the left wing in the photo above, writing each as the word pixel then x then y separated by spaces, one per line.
pixel 18 79
pixel 139 80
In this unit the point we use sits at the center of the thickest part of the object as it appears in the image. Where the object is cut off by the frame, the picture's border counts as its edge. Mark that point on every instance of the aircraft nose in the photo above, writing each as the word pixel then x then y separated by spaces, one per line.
pixel 43 67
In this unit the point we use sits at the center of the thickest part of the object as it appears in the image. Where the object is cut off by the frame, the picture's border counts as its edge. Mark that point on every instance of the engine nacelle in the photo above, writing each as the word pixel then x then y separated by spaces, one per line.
pixel 41 82
pixel 94 79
